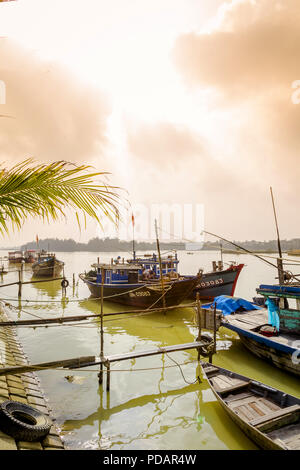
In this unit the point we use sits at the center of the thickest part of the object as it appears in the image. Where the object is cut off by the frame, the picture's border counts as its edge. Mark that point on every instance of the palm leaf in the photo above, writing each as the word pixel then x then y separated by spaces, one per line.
pixel 46 191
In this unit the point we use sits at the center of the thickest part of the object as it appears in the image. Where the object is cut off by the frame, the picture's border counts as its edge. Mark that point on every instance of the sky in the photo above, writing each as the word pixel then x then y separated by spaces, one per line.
pixel 184 102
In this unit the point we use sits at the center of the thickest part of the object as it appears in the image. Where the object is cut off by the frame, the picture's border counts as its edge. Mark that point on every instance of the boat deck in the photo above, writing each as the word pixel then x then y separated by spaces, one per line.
pixel 259 406
pixel 249 320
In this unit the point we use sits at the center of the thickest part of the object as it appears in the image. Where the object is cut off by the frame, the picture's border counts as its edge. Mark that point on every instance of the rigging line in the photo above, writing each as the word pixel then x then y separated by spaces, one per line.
pixel 238 246
pixel 186 381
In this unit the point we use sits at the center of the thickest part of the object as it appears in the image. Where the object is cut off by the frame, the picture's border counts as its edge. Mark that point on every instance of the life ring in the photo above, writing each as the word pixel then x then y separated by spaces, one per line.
pixel 64 283
pixel 23 422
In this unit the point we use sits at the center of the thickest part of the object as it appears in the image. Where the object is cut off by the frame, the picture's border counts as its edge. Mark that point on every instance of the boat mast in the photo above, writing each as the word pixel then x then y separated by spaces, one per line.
pixel 160 266
pixel 133 248
pixel 279 260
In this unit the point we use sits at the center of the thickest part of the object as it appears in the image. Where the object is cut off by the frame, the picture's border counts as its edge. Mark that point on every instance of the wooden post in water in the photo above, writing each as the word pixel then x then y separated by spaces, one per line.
pixel 198 320
pixel 20 285
pixel 107 376
pixel 100 375
pixel 215 328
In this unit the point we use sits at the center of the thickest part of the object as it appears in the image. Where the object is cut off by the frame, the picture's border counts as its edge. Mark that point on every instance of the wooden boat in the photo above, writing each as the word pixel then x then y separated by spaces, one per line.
pixel 47 265
pixel 269 417
pixel 125 284
pixel 30 256
pixel 281 349
pixel 211 284
pixel 15 256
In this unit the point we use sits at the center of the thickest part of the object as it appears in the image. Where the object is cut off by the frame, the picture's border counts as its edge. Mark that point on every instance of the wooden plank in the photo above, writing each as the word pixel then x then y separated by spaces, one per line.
pixel 70 318
pixel 275 414
pixel 244 409
pixel 158 350
pixel 234 387
pixel 270 404
pixel 81 362
pixel 256 408
pixel 232 398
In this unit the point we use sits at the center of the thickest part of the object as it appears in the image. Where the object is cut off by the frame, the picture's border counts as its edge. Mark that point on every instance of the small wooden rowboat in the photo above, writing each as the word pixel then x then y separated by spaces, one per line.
pixel 269 417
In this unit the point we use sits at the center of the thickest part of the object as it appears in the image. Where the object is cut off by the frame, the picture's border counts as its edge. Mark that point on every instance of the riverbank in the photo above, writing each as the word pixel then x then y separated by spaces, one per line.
pixel 24 388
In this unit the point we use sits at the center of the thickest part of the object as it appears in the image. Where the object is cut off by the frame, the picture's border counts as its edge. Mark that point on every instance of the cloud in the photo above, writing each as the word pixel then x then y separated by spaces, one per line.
pixel 249 60
pixel 254 47
pixel 52 116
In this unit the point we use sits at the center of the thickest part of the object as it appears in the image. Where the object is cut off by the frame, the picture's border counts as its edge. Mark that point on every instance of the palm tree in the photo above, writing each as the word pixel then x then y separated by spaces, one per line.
pixel 47 190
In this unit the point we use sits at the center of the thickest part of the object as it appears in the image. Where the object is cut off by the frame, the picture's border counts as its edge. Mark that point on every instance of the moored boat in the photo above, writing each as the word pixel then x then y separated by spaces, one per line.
pixel 30 256
pixel 269 417
pixel 217 282
pixel 47 265
pixel 275 341
pixel 15 256
pixel 127 284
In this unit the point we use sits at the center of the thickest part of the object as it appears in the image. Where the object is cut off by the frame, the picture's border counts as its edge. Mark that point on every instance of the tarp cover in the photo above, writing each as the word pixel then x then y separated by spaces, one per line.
pixel 228 304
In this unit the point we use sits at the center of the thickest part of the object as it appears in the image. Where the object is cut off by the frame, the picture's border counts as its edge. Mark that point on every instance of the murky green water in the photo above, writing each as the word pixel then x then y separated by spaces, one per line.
pixel 152 404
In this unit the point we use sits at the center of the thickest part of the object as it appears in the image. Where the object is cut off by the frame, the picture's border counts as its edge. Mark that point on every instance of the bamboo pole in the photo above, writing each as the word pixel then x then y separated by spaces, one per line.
pixel 198 320
pixel 20 285
pixel 101 329
pixel 160 268
pixel 70 318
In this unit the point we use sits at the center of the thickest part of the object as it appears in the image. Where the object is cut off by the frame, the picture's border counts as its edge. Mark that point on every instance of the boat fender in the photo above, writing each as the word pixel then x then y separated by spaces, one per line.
pixel 64 283
pixel 23 422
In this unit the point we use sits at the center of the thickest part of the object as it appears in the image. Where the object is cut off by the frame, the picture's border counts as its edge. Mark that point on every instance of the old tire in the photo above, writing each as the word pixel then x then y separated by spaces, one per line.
pixel 64 283
pixel 23 422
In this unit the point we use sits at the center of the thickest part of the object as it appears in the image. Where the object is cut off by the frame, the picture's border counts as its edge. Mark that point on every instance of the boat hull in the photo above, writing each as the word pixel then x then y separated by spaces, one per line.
pixel 250 403
pixel 282 351
pixel 218 283
pixel 143 295
pixel 48 268
pixel 278 358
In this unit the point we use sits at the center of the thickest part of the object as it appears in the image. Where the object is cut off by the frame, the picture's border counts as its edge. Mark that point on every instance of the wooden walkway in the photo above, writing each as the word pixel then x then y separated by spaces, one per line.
pixel 24 388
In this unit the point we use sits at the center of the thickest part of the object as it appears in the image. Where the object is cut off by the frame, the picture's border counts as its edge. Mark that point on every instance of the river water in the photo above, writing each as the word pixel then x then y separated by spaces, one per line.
pixel 153 403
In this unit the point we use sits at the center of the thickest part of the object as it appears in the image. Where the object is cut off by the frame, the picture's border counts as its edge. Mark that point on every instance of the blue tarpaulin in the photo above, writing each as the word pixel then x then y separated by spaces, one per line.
pixel 229 304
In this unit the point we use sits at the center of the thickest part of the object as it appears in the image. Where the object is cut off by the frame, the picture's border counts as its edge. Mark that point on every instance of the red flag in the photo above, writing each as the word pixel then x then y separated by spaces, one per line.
pixel 132 218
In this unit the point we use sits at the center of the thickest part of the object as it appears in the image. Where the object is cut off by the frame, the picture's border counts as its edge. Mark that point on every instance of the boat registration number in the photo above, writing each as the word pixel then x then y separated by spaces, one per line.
pixel 216 282
pixel 139 294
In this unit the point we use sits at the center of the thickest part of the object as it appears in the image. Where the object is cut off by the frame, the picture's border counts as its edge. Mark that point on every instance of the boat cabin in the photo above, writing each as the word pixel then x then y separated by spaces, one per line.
pixel 150 264
pixel 117 273
pixel 289 317
pixel 15 256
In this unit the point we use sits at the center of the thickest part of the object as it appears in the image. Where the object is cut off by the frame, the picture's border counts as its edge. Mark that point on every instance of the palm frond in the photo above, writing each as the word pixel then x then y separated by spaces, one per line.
pixel 46 191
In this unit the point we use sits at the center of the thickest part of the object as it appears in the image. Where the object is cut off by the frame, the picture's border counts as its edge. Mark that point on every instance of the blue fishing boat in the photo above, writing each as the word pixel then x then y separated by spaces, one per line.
pixel 130 284
pixel 271 332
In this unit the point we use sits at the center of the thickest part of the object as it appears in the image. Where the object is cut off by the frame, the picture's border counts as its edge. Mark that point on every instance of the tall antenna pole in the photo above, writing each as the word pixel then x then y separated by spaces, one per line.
pixel 160 266
pixel 133 248
pixel 279 261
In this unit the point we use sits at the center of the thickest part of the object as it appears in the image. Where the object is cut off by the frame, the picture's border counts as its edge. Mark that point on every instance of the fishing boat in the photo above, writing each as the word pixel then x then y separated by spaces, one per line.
pixel 127 283
pixel 47 265
pixel 275 343
pixel 269 417
pixel 30 256
pixel 217 282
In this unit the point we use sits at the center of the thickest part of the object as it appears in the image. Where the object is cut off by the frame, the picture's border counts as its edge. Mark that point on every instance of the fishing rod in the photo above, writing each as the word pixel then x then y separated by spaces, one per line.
pixel 288 274
pixel 241 248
